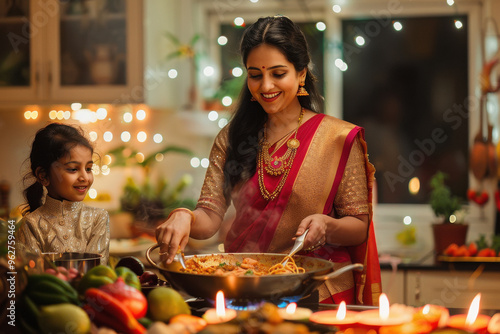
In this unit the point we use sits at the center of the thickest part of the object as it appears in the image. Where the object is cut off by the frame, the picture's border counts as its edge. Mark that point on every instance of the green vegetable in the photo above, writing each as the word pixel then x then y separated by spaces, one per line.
pixel 95 277
pixel 249 272
pixel 129 277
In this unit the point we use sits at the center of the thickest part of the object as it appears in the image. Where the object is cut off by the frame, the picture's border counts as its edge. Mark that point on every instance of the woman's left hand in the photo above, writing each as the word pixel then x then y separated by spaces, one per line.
pixel 316 237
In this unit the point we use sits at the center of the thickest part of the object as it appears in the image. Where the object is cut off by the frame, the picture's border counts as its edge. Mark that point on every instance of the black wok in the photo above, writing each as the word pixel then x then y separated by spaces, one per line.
pixel 267 287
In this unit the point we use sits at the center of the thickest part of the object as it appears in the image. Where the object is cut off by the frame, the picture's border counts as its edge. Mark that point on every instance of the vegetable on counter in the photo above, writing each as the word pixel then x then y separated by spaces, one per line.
pixel 105 310
pixel 129 296
pixel 102 275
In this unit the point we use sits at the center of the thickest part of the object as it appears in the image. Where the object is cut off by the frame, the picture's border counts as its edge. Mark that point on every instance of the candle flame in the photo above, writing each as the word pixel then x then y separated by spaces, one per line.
pixel 426 309
pixel 383 306
pixel 220 306
pixel 473 310
pixel 290 309
pixel 341 312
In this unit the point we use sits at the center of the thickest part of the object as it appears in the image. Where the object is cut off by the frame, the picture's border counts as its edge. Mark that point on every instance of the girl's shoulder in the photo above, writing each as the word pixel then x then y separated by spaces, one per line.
pixel 96 211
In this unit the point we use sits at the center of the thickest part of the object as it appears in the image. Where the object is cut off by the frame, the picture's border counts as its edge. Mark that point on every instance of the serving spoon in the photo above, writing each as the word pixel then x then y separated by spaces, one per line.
pixel 297 246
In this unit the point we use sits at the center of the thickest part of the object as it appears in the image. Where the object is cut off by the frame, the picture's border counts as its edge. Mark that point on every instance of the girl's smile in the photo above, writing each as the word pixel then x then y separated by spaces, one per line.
pixel 71 176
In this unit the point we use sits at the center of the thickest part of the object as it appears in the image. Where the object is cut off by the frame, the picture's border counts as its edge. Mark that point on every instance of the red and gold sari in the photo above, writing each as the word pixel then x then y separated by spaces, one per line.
pixel 330 175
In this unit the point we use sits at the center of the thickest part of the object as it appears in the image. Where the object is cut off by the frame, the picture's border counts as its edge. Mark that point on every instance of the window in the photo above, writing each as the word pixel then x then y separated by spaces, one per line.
pixel 409 90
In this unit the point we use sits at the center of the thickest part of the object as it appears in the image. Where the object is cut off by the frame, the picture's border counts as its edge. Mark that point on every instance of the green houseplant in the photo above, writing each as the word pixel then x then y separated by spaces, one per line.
pixel 445 206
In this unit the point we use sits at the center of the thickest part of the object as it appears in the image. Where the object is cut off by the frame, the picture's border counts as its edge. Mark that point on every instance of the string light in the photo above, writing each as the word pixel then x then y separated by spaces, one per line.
pixel 195 162
pixel 397 25
pixel 172 74
pixel 222 40
pixel 239 22
pixel 158 138
pixel 125 136
pixel 142 136
pixel 336 9
pixel 140 115
pixel 321 26
pixel 237 72
pixel 107 136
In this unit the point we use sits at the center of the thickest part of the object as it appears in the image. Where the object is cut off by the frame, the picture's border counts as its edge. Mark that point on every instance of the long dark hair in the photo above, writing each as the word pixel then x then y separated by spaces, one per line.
pixel 50 144
pixel 249 118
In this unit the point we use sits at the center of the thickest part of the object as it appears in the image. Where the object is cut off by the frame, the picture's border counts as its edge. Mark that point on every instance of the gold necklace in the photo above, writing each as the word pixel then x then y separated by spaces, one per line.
pixel 274 165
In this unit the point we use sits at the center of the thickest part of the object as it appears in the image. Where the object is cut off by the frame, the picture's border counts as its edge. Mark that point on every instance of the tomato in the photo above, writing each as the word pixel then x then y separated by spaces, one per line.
pixel 472 249
pixel 451 250
pixel 486 252
pixel 462 251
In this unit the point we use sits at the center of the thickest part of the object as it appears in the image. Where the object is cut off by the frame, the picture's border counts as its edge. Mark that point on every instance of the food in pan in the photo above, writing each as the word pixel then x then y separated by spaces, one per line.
pixel 249 266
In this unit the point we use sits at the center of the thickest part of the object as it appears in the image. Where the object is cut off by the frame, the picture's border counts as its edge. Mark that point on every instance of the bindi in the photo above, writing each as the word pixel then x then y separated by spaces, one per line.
pixel 263 67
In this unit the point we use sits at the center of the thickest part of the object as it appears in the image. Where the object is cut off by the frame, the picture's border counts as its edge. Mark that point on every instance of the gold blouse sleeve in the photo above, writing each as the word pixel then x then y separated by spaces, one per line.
pixel 212 192
pixel 352 196
pixel 100 236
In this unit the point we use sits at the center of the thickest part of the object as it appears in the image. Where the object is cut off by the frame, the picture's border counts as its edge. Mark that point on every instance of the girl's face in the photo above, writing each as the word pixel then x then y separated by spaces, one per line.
pixel 71 176
pixel 273 80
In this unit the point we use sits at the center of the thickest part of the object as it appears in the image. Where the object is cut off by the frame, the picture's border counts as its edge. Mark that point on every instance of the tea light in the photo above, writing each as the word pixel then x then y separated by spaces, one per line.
pixel 383 316
pixel 341 317
pixel 292 312
pixel 473 321
pixel 494 324
pixel 220 313
pixel 434 315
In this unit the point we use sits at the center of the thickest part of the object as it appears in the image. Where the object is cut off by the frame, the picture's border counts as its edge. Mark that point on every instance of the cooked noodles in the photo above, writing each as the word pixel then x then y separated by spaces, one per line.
pixel 249 266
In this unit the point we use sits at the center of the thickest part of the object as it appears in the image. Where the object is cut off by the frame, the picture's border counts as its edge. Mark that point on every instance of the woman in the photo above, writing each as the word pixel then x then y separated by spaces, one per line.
pixel 286 167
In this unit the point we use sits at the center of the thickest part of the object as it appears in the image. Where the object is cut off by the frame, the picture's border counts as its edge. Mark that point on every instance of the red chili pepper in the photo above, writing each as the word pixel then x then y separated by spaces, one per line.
pixel 106 305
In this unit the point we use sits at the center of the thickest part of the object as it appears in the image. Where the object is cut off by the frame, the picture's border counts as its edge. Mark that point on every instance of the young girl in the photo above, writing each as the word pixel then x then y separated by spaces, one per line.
pixel 61 162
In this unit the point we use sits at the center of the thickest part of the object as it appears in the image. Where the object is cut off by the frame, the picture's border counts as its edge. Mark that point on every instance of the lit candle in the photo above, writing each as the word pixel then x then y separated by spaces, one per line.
pixel 342 318
pixel 220 314
pixel 383 317
pixel 434 315
pixel 494 324
pixel 292 312
pixel 473 321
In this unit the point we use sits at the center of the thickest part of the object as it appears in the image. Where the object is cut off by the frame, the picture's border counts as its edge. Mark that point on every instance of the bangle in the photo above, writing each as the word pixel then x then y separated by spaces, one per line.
pixel 193 217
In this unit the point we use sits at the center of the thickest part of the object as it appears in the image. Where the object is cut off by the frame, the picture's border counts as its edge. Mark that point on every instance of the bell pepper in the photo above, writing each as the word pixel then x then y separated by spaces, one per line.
pixel 96 277
pixel 129 277
pixel 130 297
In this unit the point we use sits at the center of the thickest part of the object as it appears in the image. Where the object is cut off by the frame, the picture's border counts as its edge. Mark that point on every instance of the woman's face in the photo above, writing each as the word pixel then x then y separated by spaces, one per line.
pixel 273 80
pixel 71 176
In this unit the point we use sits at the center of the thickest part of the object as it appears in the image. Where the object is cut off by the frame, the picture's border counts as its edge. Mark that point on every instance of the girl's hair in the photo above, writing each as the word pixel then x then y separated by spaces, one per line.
pixel 50 144
pixel 249 118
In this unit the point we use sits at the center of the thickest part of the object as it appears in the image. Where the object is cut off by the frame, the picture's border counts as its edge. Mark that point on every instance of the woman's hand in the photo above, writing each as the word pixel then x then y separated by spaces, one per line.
pixel 317 225
pixel 173 234
pixel 345 231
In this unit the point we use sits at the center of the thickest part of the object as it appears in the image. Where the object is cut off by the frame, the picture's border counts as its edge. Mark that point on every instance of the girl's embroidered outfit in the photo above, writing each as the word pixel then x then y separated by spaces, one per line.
pixel 63 226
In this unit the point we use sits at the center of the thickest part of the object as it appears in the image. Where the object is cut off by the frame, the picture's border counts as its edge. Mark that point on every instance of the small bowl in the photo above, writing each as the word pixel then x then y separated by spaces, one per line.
pixel 82 262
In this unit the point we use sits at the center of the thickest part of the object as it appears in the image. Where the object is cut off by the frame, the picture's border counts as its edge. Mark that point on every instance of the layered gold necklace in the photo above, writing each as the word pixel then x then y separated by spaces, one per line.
pixel 274 165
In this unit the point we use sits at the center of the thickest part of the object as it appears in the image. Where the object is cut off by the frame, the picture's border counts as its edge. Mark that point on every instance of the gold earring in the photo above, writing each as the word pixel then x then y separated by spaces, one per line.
pixel 302 91
pixel 253 99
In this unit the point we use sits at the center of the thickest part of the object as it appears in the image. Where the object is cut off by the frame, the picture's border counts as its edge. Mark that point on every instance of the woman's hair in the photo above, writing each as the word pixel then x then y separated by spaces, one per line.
pixel 50 144
pixel 249 118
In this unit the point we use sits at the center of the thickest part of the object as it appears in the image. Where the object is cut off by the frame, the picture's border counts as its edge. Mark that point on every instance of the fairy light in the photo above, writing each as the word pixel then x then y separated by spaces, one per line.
pixel 67 114
pixel 397 25
pixel 222 122
pixel 127 117
pixel 204 163
pixel 458 24
pixel 139 157
pixel 141 136
pixel 159 157
pixel 93 136
pixel 107 136
pixel 92 193
pixel 101 113
pixel 195 162
pixel 172 73
pixel 450 2
pixel 321 26
pixel 60 115
pixel 125 136
pixel 105 170
pixel 237 72
pixel 157 138
pixel 360 40
pixel 336 9
pixel 95 169
pixel 213 115
pixel 239 21
pixel 106 160
pixel 208 71
pixel 407 220
pixel 52 114
pixel 222 40
pixel 76 106
pixel 227 101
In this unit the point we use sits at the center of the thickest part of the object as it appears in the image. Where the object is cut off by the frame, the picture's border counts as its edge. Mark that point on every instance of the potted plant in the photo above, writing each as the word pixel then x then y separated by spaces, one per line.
pixel 445 207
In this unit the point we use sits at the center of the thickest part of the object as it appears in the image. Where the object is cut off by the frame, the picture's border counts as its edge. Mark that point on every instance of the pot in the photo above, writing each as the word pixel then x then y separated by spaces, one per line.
pixel 80 261
pixel 266 287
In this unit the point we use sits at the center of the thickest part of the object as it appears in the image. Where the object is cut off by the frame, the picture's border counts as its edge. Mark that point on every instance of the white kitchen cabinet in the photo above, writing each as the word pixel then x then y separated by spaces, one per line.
pixel 71 51
pixel 448 288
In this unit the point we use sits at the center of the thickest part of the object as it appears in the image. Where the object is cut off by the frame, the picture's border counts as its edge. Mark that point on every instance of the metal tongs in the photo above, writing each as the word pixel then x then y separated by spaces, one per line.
pixel 297 246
